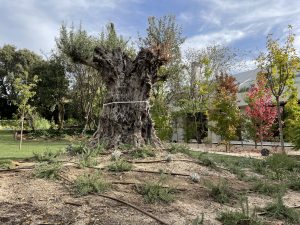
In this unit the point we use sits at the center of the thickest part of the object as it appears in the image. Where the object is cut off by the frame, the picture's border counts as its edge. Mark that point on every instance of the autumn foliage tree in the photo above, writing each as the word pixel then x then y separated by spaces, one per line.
pixel 225 113
pixel 260 111
pixel 279 66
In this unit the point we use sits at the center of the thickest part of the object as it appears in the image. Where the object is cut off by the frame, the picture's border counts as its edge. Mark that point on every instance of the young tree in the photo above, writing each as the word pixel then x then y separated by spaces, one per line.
pixel 11 59
pixel 161 113
pixel 279 66
pixel 260 111
pixel 202 67
pixel 292 112
pixel 125 117
pixel 224 112
pixel 24 92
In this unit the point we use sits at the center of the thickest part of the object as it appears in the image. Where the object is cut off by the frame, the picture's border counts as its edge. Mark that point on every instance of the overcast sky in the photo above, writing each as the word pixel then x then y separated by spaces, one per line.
pixel 242 24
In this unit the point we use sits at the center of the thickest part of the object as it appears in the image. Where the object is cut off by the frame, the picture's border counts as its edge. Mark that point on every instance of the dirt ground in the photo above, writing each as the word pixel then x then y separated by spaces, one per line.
pixel 27 200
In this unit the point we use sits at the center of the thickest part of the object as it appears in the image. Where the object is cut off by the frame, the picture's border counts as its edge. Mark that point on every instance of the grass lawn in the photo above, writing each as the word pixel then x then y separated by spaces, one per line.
pixel 9 148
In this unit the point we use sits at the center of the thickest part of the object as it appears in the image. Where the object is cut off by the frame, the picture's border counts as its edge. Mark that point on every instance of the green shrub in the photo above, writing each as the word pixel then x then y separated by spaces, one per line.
pixel 47 171
pixel 221 192
pixel 279 211
pixel 206 161
pixel 89 183
pixel 47 156
pixel 120 166
pixel 156 193
pixel 280 163
pixel 294 183
pixel 238 218
pixel 41 123
pixel 263 187
pixel 6 164
pixel 178 148
pixel 81 149
pixel 242 217
pixel 259 166
pixel 87 161
pixel 295 139
pixel 143 152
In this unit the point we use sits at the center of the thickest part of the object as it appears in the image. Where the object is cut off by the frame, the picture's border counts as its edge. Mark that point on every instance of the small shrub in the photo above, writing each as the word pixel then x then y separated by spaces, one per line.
pixel 178 148
pixel 47 156
pixel 238 218
pixel 281 163
pixel 206 161
pixel 259 166
pixel 221 192
pixel 87 161
pixel 243 217
pixel 263 187
pixel 41 123
pixel 144 152
pixel 120 166
pixel 74 150
pixel 279 211
pixel 6 164
pixel 47 171
pixel 156 193
pixel 294 183
pixel 89 183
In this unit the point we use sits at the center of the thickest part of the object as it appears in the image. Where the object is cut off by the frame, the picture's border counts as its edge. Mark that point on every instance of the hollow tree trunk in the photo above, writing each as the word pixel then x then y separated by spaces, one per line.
pixel 125 117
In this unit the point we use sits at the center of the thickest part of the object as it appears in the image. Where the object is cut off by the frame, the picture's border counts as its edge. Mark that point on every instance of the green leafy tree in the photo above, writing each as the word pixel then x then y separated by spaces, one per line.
pixel 202 67
pixel 161 113
pixel 279 66
pixel 11 60
pixel 225 113
pixel 292 110
pixel 52 88
pixel 24 92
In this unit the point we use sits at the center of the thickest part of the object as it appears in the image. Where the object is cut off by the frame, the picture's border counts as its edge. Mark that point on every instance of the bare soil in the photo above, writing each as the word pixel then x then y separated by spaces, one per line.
pixel 27 200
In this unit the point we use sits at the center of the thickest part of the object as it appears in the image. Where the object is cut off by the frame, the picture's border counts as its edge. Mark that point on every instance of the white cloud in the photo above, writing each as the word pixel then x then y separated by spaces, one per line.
pixel 34 24
pixel 222 37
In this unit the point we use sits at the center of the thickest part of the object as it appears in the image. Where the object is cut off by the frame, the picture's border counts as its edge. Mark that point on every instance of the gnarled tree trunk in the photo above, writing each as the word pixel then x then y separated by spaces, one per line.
pixel 125 118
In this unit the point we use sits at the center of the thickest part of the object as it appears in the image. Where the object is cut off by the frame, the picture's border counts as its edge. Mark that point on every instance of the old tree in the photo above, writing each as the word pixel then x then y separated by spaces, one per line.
pixel 128 78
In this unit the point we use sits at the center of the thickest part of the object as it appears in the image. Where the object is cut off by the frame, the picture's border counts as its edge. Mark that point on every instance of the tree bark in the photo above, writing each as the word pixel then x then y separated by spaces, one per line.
pixel 125 117
pixel 280 124
pixel 22 128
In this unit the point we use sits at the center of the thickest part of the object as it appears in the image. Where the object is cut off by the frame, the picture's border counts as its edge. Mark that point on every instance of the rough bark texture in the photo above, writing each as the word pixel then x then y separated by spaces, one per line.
pixel 125 118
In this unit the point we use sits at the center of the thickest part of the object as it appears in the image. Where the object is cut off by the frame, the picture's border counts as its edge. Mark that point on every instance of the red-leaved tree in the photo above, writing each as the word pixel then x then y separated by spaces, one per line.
pixel 260 111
